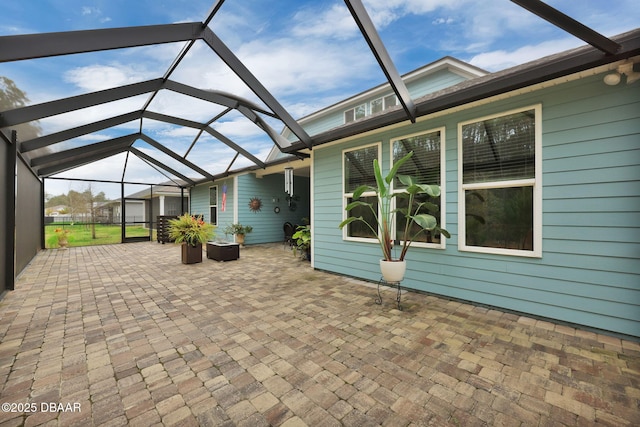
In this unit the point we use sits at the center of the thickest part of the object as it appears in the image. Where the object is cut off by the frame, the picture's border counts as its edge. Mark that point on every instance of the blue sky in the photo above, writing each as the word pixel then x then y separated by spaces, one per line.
pixel 308 53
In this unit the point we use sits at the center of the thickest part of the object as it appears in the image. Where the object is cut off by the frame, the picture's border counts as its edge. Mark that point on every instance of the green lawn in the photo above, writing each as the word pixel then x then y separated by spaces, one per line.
pixel 81 235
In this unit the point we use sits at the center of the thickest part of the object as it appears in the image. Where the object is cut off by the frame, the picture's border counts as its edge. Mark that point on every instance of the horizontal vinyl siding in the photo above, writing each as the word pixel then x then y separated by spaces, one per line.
pixel 436 81
pixel 268 225
pixel 589 273
pixel 199 201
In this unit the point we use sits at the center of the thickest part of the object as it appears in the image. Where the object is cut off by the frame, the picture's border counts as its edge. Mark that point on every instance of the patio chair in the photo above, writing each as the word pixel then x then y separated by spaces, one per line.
pixel 289 229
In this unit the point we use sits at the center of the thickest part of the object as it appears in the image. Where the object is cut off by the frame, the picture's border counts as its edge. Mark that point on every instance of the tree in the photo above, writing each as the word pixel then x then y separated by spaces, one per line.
pixel 11 97
pixel 58 200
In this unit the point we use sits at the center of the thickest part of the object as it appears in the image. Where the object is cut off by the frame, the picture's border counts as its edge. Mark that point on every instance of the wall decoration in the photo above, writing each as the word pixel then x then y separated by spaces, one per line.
pixel 255 205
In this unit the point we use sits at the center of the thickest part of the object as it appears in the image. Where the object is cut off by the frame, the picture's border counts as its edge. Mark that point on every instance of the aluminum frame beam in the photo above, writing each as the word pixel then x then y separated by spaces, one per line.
pixel 72 154
pixel 238 67
pixel 44 45
pixel 197 125
pixel 23 47
pixel 379 50
pixel 74 103
pixel 175 156
pixel 569 25
pixel 65 135
pixel 45 171
pixel 161 165
pixel 214 9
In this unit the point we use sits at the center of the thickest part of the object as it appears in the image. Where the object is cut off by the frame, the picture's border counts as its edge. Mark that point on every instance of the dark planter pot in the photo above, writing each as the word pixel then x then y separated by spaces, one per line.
pixel 223 251
pixel 191 254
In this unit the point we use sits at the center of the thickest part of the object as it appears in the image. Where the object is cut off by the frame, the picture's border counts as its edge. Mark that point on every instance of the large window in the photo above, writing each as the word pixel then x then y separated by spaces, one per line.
pixel 357 171
pixel 499 173
pixel 427 166
pixel 213 205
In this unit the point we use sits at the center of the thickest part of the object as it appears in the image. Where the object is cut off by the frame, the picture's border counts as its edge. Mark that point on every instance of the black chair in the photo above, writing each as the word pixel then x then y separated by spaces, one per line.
pixel 289 229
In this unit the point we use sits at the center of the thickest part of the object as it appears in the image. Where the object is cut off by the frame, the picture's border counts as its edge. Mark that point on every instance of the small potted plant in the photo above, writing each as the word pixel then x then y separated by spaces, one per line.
pixel 191 232
pixel 239 231
pixel 393 269
pixel 60 238
pixel 302 241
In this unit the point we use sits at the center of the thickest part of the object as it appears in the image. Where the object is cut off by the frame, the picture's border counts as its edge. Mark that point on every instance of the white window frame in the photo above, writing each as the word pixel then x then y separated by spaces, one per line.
pixel 363 105
pixel 211 220
pixel 535 183
pixel 443 180
pixel 395 101
pixel 385 105
pixel 346 196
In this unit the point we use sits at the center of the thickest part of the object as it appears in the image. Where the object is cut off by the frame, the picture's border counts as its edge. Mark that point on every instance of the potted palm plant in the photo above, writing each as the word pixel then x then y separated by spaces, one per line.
pixel 191 232
pixel 417 221
pixel 302 240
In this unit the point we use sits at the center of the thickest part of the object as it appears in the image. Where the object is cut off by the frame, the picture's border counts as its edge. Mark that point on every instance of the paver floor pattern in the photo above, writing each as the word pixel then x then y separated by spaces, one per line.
pixel 133 337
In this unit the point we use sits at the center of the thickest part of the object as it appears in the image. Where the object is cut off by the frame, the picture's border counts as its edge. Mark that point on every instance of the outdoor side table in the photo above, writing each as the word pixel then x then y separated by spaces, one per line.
pixel 221 251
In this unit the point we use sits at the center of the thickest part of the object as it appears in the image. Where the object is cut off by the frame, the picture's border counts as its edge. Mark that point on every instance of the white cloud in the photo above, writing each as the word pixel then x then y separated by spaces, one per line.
pixel 238 128
pixel 98 77
pixel 334 22
pixel 502 59
pixel 291 66
pixel 86 10
pixel 443 21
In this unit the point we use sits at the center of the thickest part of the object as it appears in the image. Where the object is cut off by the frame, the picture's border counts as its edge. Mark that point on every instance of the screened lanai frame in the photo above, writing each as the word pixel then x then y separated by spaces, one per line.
pixel 43 164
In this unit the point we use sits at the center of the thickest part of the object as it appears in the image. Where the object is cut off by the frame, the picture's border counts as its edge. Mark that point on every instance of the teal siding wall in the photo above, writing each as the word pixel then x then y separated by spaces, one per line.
pixel 199 201
pixel 200 204
pixel 436 81
pixel 589 273
pixel 267 225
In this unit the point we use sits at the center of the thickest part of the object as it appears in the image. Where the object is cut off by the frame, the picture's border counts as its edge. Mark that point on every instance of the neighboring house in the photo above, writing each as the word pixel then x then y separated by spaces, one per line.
pixel 161 199
pixel 541 188
pixel 110 212
pixel 55 210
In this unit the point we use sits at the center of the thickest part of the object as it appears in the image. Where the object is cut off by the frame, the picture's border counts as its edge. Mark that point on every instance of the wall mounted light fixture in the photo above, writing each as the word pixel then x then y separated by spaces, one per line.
pixel 630 70
pixel 612 79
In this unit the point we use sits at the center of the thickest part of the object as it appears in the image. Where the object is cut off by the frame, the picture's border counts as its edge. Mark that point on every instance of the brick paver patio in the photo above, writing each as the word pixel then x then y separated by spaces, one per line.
pixel 127 335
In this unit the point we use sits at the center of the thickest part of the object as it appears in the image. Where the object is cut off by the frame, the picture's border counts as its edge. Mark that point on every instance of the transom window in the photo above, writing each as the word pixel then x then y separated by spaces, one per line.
pixel 499 173
pixel 373 107
pixel 427 166
pixel 382 104
pixel 357 171
pixel 355 113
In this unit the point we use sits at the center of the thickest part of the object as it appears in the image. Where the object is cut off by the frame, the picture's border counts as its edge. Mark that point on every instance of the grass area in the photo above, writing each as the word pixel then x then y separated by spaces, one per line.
pixel 81 234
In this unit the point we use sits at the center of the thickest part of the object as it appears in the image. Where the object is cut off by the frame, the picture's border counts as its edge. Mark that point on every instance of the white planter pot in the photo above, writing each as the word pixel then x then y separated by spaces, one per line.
pixel 393 271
